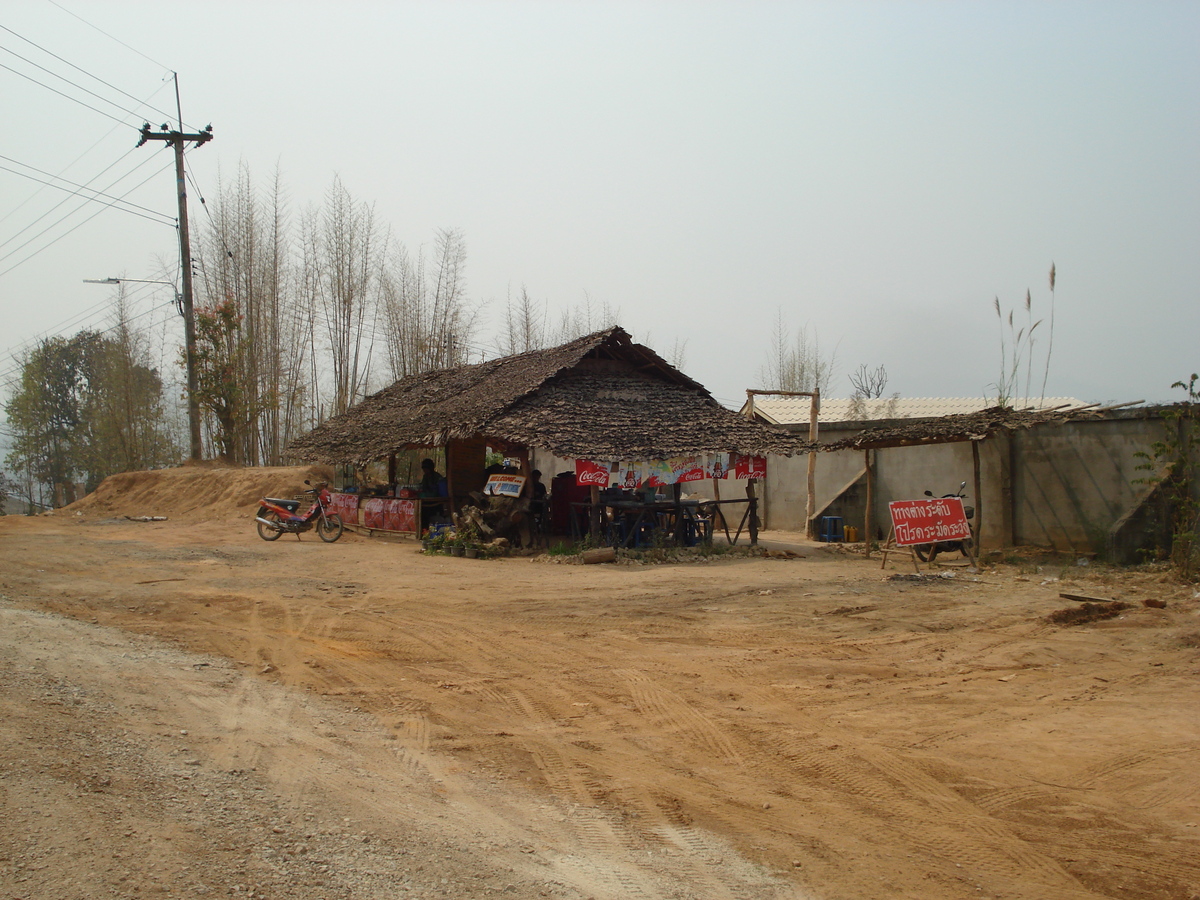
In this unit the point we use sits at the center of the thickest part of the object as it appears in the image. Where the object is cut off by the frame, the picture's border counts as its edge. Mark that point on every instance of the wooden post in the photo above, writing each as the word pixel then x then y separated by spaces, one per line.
pixel 811 507
pixel 810 527
pixel 753 511
pixel 978 499
pixel 867 516
pixel 677 497
pixel 594 526
pixel 717 509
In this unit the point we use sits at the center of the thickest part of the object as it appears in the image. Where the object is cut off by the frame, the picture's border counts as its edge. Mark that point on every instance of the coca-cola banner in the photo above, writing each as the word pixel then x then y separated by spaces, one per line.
pixel 750 467
pixel 631 475
pixel 588 472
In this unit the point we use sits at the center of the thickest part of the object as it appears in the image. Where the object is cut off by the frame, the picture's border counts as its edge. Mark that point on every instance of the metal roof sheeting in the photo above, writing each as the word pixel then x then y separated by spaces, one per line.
pixel 795 410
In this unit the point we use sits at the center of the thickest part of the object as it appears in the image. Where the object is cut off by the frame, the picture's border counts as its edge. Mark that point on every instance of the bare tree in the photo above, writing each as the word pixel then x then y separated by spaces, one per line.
pixel 796 362
pixel 429 323
pixel 869 383
pixel 342 250
pixel 246 258
pixel 524 325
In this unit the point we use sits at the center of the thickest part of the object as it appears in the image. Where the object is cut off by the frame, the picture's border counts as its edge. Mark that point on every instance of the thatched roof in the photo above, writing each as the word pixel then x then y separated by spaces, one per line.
pixel 601 396
pixel 950 429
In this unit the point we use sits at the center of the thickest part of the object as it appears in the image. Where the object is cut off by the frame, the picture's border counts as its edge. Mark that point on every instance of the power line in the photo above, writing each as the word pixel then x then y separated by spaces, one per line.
pixel 69 231
pixel 141 103
pixel 106 304
pixel 69 213
pixel 68 166
pixel 61 202
pixel 67 96
pixel 92 93
pixel 107 35
pixel 133 208
pixel 76 319
pixel 10 373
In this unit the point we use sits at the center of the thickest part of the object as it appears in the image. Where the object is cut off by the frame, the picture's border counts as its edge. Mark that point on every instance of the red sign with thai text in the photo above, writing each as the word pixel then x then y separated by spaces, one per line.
pixel 929 521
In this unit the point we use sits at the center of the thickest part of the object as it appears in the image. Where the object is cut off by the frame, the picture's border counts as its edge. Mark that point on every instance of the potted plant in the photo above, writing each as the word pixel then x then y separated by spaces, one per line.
pixel 468 534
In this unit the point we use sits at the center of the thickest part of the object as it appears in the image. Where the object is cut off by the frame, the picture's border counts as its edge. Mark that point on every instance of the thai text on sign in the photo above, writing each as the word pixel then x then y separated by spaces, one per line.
pixel 927 521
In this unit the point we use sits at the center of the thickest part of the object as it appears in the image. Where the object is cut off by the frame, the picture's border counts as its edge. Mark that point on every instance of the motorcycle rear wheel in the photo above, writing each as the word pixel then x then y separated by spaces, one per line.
pixel 266 532
pixel 330 528
pixel 926 552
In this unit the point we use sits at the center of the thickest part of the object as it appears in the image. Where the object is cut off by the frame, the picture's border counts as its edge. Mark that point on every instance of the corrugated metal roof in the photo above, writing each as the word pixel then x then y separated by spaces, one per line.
pixel 795 410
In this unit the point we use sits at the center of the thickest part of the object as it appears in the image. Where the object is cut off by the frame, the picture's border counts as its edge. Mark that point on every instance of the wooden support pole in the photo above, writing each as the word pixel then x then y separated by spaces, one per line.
pixel 594 526
pixel 811 507
pixel 867 516
pixel 752 511
pixel 677 498
pixel 717 509
pixel 978 498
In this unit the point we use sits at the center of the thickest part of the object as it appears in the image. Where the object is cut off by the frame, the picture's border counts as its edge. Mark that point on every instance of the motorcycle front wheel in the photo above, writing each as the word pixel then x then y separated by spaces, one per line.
pixel 266 532
pixel 926 552
pixel 329 528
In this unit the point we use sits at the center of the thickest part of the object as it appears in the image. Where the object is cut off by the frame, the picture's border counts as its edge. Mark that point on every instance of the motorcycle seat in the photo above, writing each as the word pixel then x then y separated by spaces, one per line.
pixel 289 505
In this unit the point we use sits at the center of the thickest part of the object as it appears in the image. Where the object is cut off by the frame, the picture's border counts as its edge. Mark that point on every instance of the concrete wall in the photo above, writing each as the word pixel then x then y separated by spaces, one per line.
pixel 1056 486
pixel 1072 482
pixel 1069 484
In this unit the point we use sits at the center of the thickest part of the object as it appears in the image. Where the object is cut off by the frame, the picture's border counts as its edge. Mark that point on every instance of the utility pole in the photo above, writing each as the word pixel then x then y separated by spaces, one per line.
pixel 177 139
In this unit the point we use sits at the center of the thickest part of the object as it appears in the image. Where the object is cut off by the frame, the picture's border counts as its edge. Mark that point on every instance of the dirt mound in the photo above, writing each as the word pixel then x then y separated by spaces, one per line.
pixel 194 491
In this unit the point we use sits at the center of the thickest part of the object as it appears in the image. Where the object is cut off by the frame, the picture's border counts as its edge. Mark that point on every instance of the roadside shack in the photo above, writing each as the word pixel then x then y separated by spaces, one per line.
pixel 624 419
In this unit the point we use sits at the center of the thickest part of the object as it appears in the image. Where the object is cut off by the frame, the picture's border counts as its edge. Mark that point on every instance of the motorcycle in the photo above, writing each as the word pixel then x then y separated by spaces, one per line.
pixel 277 516
pixel 927 552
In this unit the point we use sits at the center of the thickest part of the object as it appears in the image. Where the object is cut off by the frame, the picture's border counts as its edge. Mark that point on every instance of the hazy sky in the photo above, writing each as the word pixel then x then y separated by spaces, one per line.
pixel 878 172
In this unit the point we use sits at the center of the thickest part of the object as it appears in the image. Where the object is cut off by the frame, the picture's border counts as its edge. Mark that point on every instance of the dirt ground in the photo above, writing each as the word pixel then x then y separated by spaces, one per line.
pixel 189 711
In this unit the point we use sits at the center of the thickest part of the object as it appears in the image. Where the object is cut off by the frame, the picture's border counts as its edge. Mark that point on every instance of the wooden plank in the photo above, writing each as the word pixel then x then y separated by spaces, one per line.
pixel 1084 598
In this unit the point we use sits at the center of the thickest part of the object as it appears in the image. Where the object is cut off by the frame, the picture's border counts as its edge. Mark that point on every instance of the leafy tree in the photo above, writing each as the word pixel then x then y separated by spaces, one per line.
pixel 1174 465
pixel 221 388
pixel 45 411
pixel 7 489
pixel 83 408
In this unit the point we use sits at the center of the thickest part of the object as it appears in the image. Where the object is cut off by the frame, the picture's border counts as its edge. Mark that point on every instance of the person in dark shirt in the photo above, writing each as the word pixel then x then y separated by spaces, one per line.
pixel 431 480
pixel 537 499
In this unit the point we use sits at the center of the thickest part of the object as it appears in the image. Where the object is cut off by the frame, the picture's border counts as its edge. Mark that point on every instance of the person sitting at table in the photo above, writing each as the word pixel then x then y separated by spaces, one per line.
pixel 431 480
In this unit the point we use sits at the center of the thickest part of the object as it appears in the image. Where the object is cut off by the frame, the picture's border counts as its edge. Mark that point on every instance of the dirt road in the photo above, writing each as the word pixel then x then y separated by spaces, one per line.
pixel 190 711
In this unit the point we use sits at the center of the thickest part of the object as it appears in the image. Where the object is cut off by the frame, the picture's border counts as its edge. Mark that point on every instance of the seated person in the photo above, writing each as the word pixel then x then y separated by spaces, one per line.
pixel 431 481
pixel 537 504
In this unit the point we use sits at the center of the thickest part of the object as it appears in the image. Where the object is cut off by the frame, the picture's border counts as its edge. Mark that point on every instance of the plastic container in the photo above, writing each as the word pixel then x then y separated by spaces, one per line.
pixel 831 529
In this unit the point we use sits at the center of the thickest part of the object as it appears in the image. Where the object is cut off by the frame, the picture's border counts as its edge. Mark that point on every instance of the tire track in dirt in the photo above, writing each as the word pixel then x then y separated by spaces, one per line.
pixel 881 786
pixel 670 713
pixel 594 802
pixel 1104 771
pixel 574 785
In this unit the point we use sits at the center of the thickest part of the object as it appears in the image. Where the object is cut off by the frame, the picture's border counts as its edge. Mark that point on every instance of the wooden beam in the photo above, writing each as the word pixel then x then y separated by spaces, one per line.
pixel 978 498
pixel 867 517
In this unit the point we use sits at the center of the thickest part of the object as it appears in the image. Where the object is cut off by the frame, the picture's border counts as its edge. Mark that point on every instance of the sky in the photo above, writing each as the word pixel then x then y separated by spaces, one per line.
pixel 879 173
